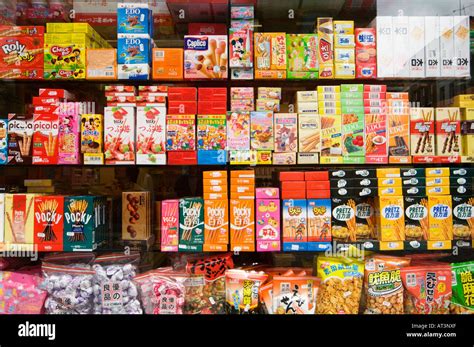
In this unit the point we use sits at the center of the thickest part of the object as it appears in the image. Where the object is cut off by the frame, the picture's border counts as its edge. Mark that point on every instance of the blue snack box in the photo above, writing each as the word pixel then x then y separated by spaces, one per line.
pixel 134 18
pixel 133 49
pixel 212 157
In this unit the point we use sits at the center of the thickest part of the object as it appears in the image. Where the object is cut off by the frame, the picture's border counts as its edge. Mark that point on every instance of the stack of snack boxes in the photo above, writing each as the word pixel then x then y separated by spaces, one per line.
pixel 325 31
pixel 448 134
pixel 376 136
pixel 211 126
pixel 466 104
pixel 268 99
pixel 21 56
pixel 181 126
pixel 309 127
pixel 65 46
pixel 365 53
pixel 134 40
pixel 286 138
pixel 267 216
pixel 205 57
pixel 242 211
pixel 352 107
pixel 167 64
pixel 270 55
pixel 318 196
pixel 422 134
pixel 216 211
pixel 191 224
pixel 344 46
pixel 398 122
pixel 241 42
pixel 329 105
pixel 238 126
pixel 302 56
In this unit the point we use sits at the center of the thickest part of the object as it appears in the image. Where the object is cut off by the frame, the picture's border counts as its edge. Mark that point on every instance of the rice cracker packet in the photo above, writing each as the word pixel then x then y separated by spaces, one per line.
pixel 294 294
pixel 428 288
pixel 462 301
pixel 383 284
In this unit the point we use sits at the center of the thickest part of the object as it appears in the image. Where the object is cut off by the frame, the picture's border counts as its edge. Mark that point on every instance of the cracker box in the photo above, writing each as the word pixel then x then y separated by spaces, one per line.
pixel 270 51
pixel 353 135
pixel 80 223
pixel 376 148
pixel 391 218
pixel 422 141
pixel 461 46
pixel 20 139
pixel 294 223
pixel 463 217
pixel 180 133
pixel 448 131
pixel 398 135
pixel 446 44
pixel 3 141
pixel 211 132
pixel 48 223
pixel 167 63
pixel 385 46
pixel 416 32
pixel 242 225
pixel 134 18
pixel 69 135
pixel 169 225
pixel 205 57
pixel 302 56
pixel 101 64
pixel 216 222
pixel 19 221
pixel 261 130
pixel 440 218
pixel 319 220
pixel 432 48
pixel 240 48
pixel 331 135
pixel 150 135
pixel 309 133
pixel 286 132
pixel 268 225
pixel 191 224
pixel 92 137
pixel 64 59
pixel 325 47
pixel 416 218
pixel 45 139
pixel 119 137
pixel 136 216
pixel 238 131
pixel 366 53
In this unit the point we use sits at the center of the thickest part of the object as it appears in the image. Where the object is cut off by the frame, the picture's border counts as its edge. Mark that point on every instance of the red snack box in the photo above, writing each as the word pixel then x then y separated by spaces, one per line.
pixel 120 88
pixel 46 109
pixel 316 175
pixel 154 89
pixel 374 95
pixel 212 107
pixel 182 158
pixel 45 139
pixel 375 88
pixel 8 30
pixel 318 194
pixel 119 94
pixel 366 70
pixel 207 29
pixel 212 94
pixel 292 176
pixel 121 100
pixel 43 101
pixel 150 100
pixel 182 93
pixel 293 185
pixel 48 223
pixel 55 93
pixel 182 107
pixel 159 95
pixel 317 185
pixel 293 194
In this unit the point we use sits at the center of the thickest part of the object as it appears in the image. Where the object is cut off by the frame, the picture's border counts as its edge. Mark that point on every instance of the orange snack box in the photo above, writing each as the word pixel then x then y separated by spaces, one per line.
pixel 242 181
pixel 101 64
pixel 215 196
pixel 215 189
pixel 167 63
pixel 242 225
pixel 214 182
pixel 216 222
pixel 214 174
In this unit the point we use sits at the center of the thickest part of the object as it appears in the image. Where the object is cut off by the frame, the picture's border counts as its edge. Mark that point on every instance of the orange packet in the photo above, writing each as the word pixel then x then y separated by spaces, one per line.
pixel 295 294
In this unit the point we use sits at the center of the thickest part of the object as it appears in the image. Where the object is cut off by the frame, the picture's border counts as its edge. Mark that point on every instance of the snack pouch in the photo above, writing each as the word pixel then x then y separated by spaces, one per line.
pixel 20 293
pixel 242 291
pixel 428 288
pixel 462 301
pixel 383 284
pixel 294 294
pixel 341 285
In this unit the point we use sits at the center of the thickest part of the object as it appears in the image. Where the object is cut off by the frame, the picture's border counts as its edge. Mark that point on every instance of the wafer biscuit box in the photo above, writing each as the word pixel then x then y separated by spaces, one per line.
pixel 45 139
pixel 309 133
pixel 242 225
pixel 325 47
pixel 49 222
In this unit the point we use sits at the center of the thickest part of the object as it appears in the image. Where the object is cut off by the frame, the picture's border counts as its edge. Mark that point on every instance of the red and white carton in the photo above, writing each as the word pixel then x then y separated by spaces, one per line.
pixel 365 53
pixel 119 135
pixel 56 93
pixel 150 135
pixel 48 223
pixel 45 139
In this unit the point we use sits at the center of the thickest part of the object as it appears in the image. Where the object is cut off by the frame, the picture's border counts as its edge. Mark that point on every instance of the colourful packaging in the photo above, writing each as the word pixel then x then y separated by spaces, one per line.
pixel 69 135
pixel 136 215
pixel 440 218
pixel 267 217
pixel 366 53
pixel 48 223
pixel 167 63
pixel 169 225
pixel 133 49
pixel 295 223
pixel 448 131
pixel 80 223
pixel 238 130
pixel 391 218
pixel 21 293
pixel 302 56
pixel 3 141
pixel 119 135
pixel 211 132
pixel 331 135
pixel 463 217
pixel 150 135
pixel 19 221
pixel 261 130
pixel 240 48
pixel 353 135
pixel 45 139
pixel 319 220
pixel 191 224
pixel 205 57
pixel 325 47
pixel 20 136
pixel 63 59
pixel 286 132
pixel 242 225
pixel 180 132
pixel 398 135
pixel 101 64
pixel 376 148
pixel 294 294
pixel 309 133
pixel 134 18
pixel 216 223
pixel 91 138
pixel 242 291
pixel 463 280
pixel 422 141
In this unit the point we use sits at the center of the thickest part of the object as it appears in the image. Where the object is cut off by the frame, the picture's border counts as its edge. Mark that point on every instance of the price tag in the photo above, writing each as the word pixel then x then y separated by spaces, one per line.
pixel 391 246
pixel 439 245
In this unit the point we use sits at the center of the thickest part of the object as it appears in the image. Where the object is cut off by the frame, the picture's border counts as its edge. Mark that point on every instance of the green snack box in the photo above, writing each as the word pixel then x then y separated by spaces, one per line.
pixel 81 223
pixel 353 135
pixel 462 300
pixel 352 102
pixel 302 56
pixel 351 88
pixel 191 224
pixel 352 109
pixel 352 95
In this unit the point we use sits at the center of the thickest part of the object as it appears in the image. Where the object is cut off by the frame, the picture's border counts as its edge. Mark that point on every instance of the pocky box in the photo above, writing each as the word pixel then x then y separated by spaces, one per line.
pixel 440 218
pixel 240 48
pixel 261 130
pixel 19 221
pixel 119 139
pixel 180 133
pixel 150 135
pixel 319 220
pixel 309 133
pixel 49 222
pixel 302 56
pixel 463 217
pixel 45 139
pixel 238 131
pixel 242 225
pixel 169 225
pixel 267 217
pixel 205 57
pixel 295 224
pixel 191 224
pixel 211 132
pixel 286 132
pixel 80 223
pixel 216 223
pixel 69 135
pixel 376 148
pixel 3 141
pixel 20 139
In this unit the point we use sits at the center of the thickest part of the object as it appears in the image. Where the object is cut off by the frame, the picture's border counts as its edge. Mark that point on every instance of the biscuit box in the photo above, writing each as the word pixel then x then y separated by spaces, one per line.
pixel 463 217
pixel 302 56
pixel 267 216
pixel 242 225
pixel 240 48
pixel 205 57
pixel 101 64
pixel 169 225
pixel 440 218
pixel 261 130
pixel 416 218
pixel 391 218
pixel 319 220
pixel 191 224
pixel 45 139
pixel 167 63
pixel 180 132
pixel 19 221
pixel 211 132
pixel 133 49
pixel 119 135
pixel 238 131
pixel 92 137
pixel 134 18
pixel 309 133
pixel 69 134
pixel 216 222
pixel 49 223
pixel 294 224
pixel 20 139
pixel 136 215
pixel 80 223
pixel 64 60
pixel 150 135
pixel 286 132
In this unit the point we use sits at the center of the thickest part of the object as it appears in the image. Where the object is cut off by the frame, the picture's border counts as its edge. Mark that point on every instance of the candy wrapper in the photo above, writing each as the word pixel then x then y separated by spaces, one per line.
pixel 113 288
pixel 242 291
pixel 20 293
pixel 463 280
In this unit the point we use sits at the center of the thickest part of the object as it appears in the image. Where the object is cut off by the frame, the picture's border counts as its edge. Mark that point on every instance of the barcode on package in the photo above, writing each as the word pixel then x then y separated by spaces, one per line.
pixel 101 72
pixel 159 54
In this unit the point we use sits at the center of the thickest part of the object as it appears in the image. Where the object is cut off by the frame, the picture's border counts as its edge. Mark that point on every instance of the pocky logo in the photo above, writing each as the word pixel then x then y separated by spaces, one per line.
pixel 60 51
pixel 217 214
pixel 169 220
pixel 48 217
pixel 196 44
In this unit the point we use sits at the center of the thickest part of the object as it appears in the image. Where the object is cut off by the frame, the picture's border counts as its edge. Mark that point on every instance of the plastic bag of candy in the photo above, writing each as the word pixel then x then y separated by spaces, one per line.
pixel 243 291
pixel 113 286
pixel 20 293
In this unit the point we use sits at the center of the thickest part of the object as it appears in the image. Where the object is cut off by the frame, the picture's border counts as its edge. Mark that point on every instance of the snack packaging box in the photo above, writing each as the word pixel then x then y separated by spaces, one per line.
pixel 211 132
pixel 169 225
pixel 401 46
pixel 216 222
pixel 134 18
pixel 119 137
pixel 416 218
pixel 69 135
pixel 343 27
pixel 19 221
pixel 269 93
pixel 240 48
pixel 440 218
pixel 205 57
pixel 150 135
pixel 331 135
pixel 48 223
pixel 261 130
pixel 267 105
pixel 295 234
pixel 270 51
pixel 180 132
pixel 309 133
pixel 283 288
pixel 343 225
pixel 353 135
pixel 325 47
pixel 242 12
pixel 136 216
pixel 302 56
pixel 80 223
pixel 385 46
pixel 63 60
pixel 448 131
pixel 133 71
pixel 319 220
pixel 101 64
pixel 242 225
pixel 167 63
pixel 422 141
pixel 3 141
pixel 306 95
pixel 92 137
pixel 416 34
pixel 376 147
pixel 191 224
pixel 268 225
pixel 286 132
pixel 461 46
pixel 45 139
pixel 238 130
pixel 432 47
pixel 133 49
pixel 446 44
pixel 365 53
pixel 463 217
pixel 391 218
pixel 398 135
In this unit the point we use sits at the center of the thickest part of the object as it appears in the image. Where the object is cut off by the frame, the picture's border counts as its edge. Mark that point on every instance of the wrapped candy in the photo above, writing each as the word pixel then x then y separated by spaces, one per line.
pixel 113 288
pixel 20 293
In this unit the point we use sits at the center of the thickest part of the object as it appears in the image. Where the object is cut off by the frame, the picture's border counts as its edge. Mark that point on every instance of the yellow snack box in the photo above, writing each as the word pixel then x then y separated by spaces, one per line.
pixel 440 218
pixel 437 181
pixel 438 190
pixel 390 182
pixel 437 172
pixel 388 172
pixel 391 218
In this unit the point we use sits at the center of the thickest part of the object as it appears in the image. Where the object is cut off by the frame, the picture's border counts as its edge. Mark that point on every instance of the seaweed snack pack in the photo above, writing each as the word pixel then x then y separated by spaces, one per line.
pixel 383 284
pixel 294 294
pixel 463 282
pixel 242 291
pixel 341 285
pixel 428 288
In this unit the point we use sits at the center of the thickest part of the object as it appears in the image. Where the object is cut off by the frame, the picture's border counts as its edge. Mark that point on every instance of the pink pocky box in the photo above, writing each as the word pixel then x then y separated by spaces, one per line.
pixel 119 130
pixel 238 131
pixel 169 225
pixel 69 136
pixel 151 126
pixel 268 222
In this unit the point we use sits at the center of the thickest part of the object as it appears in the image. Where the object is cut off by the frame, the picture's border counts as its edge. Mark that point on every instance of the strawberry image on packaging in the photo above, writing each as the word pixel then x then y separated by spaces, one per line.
pixel 119 142
pixel 45 139
pixel 151 125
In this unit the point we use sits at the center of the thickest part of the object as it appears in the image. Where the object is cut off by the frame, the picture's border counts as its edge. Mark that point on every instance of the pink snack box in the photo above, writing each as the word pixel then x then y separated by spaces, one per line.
pixel 20 293
pixel 238 131
pixel 239 93
pixel 169 225
pixel 267 193
pixel 268 224
pixel 205 57
pixel 119 135
pixel 69 134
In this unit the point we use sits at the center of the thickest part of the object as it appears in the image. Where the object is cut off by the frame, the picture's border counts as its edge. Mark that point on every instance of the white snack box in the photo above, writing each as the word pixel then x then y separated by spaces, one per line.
pixel 401 46
pixel 151 129
pixel 307 107
pixel 383 25
pixel 416 32
pixel 446 44
pixel 306 95
pixel 461 46
pixel 432 50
